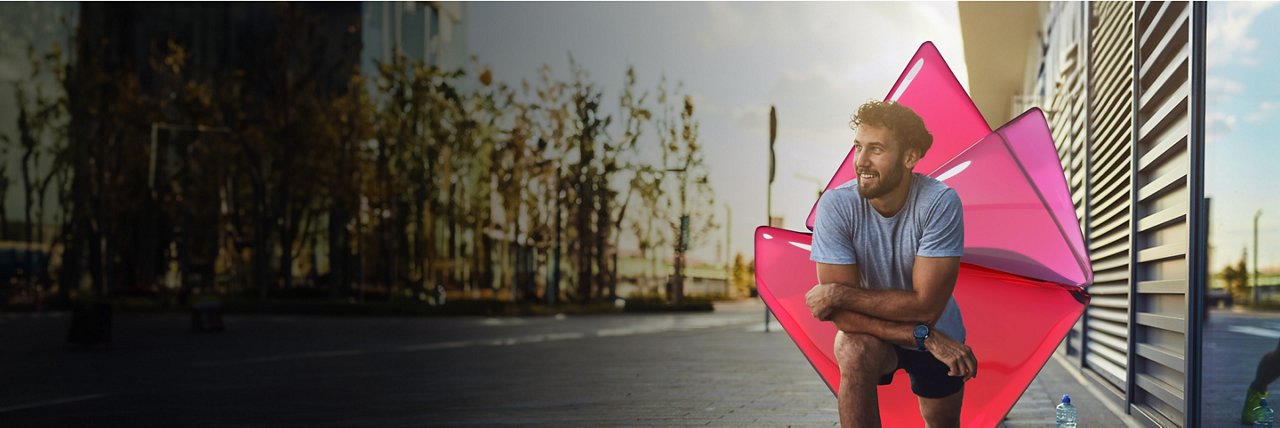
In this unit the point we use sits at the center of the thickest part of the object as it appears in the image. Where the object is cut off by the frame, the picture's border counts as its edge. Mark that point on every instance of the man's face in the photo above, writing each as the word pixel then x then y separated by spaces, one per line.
pixel 881 161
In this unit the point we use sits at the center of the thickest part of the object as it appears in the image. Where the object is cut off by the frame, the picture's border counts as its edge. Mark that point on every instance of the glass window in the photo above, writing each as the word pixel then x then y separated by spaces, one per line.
pixel 1242 106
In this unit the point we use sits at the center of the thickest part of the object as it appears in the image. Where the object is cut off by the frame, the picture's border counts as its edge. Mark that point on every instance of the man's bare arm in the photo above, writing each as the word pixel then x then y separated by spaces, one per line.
pixel 934 280
pixel 889 331
pixel 853 322
pixel 957 356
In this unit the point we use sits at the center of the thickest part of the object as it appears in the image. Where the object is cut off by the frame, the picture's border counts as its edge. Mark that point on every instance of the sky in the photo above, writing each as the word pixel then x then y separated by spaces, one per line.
pixel 1242 103
pixel 815 62
pixel 20 24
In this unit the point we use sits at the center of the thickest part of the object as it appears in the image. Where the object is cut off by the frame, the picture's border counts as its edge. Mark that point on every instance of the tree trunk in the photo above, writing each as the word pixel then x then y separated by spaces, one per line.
pixel 287 228
pixel 604 283
pixel 261 240
pixel 339 252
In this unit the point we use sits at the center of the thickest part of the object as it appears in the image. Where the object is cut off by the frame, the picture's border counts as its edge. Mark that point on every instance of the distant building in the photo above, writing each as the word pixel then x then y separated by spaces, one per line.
pixel 434 32
pixel 38 25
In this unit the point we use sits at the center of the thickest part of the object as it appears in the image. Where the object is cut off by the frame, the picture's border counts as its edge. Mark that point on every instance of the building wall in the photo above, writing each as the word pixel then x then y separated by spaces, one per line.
pixel 1165 167
pixel 1107 183
pixel 1117 83
pixel 38 26
pixel 434 32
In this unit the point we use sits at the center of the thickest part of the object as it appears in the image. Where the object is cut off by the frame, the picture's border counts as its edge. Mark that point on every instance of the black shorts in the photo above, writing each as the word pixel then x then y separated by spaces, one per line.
pixel 929 377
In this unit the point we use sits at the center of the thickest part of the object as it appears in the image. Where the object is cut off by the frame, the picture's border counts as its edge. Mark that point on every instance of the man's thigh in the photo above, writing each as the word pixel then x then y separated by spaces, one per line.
pixel 867 355
pixel 942 412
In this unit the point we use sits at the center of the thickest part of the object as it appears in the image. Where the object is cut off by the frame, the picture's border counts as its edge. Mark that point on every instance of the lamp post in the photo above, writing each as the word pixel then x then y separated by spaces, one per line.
pixel 768 220
pixel 1256 293
pixel 728 247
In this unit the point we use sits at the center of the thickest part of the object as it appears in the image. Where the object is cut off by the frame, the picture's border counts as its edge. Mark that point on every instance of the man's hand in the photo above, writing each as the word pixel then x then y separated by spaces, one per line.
pixel 957 356
pixel 823 300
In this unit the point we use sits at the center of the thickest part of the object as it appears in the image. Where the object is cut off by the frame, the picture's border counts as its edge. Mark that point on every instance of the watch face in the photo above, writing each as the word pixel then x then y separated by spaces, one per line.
pixel 922 331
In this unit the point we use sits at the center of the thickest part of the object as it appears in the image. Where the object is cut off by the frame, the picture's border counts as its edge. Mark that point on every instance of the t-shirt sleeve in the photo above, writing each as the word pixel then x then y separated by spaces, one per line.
pixel 944 228
pixel 833 232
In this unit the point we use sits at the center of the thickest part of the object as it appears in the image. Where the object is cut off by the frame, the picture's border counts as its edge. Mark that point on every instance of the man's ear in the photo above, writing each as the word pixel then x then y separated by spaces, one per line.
pixel 910 158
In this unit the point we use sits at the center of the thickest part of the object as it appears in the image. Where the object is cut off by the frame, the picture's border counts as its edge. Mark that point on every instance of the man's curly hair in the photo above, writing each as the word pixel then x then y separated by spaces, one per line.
pixel 905 124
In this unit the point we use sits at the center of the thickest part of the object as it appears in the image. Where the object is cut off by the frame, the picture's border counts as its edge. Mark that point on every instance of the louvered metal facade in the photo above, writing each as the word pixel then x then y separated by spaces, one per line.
pixel 1121 84
pixel 1166 169
pixel 1107 223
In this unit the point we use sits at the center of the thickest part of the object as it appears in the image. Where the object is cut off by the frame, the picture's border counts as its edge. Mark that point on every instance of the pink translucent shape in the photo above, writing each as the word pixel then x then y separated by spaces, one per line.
pixel 1020 288
pixel 932 91
pixel 1013 324
pixel 1018 216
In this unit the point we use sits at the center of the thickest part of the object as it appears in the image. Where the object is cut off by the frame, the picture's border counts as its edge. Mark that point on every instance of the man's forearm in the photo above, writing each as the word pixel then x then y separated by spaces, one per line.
pixel 891 305
pixel 901 333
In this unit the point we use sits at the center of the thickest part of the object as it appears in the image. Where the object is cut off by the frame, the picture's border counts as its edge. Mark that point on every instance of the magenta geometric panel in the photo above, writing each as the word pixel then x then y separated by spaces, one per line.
pixel 932 91
pixel 1022 278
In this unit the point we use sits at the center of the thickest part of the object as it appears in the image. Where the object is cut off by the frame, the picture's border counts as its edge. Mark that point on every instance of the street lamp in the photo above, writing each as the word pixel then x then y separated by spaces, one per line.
pixel 728 247
pixel 768 221
pixel 1256 293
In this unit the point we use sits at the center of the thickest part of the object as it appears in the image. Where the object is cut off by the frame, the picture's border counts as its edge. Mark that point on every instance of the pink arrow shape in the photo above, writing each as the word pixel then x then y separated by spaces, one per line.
pixel 1020 286
pixel 932 91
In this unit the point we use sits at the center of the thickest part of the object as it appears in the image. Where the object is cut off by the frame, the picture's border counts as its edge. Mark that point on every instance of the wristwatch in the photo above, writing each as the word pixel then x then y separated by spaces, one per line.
pixel 921 333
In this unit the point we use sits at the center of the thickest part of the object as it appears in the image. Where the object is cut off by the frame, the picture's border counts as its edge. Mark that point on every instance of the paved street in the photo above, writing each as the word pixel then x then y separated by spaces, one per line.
pixel 623 370
pixel 660 369
pixel 1234 342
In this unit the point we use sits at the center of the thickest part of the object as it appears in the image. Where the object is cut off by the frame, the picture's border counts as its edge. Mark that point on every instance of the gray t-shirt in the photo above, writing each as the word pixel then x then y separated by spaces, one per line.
pixel 848 230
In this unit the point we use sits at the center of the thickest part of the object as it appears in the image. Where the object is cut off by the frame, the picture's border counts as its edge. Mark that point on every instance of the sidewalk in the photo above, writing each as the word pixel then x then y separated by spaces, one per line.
pixel 1036 407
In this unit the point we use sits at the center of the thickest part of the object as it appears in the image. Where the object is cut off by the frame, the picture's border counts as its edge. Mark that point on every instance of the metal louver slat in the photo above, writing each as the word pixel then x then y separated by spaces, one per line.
pixel 1107 214
pixel 1161 208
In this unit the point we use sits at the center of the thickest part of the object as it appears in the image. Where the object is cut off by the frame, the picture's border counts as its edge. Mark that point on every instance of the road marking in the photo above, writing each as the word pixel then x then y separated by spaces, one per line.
pixel 505 341
pixel 1254 331
pixel 277 358
pixel 51 402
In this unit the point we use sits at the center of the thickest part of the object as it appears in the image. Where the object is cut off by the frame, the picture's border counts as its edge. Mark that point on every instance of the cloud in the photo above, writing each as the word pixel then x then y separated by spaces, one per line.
pixel 1228 34
pixel 1218 125
pixel 754 118
pixel 1264 111
pixel 726 27
pixel 817 62
pixel 705 106
pixel 1220 89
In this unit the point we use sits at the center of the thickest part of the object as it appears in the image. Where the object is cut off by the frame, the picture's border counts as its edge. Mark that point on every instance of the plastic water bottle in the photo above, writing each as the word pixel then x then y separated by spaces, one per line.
pixel 1263 416
pixel 1066 413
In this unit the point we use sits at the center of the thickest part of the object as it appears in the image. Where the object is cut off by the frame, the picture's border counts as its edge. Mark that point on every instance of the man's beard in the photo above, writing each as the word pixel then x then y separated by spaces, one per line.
pixel 885 183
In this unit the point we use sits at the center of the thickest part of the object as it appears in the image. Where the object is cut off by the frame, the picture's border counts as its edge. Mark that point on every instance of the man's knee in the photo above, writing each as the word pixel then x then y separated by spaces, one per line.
pixel 860 355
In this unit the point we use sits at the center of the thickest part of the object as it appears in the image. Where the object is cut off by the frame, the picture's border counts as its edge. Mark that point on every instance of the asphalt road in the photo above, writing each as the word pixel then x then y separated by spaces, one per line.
pixel 661 369
pixel 613 370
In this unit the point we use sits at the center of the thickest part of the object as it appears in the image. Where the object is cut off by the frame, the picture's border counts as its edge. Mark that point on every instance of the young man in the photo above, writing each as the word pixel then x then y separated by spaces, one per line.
pixel 888 247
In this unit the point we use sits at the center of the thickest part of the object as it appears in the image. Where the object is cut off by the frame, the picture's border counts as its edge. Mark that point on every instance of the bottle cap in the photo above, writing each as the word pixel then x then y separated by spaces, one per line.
pixel 1262 403
pixel 1066 398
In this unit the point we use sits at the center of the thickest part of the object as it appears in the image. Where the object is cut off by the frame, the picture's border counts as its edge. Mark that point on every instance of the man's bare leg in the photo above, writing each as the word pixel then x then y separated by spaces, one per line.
pixel 942 412
pixel 862 359
pixel 1268 371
